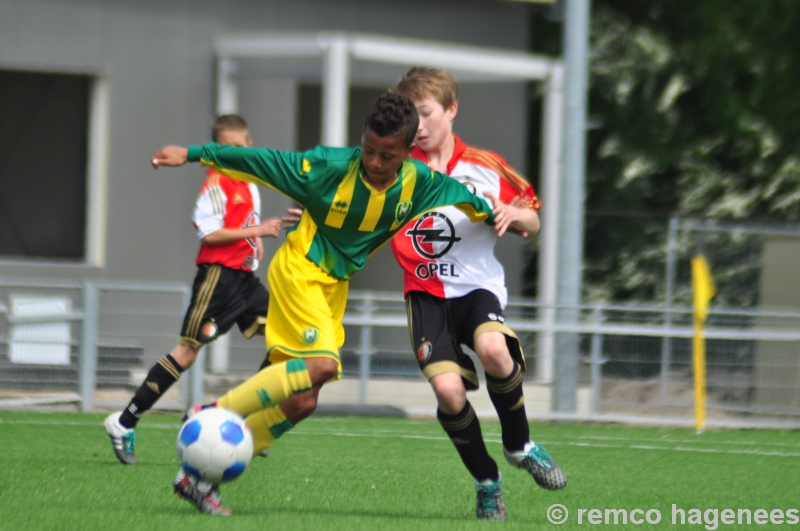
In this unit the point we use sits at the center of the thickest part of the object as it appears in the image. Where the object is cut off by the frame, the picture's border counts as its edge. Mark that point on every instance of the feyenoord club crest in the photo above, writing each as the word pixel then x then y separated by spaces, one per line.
pixel 209 330
pixel 310 335
pixel 424 352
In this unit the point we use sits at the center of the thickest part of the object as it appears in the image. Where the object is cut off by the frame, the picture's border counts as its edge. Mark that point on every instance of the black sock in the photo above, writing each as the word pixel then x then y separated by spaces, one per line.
pixel 162 375
pixel 506 395
pixel 465 431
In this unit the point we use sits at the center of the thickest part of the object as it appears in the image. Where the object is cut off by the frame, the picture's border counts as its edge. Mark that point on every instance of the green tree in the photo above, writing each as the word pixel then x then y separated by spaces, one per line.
pixel 695 109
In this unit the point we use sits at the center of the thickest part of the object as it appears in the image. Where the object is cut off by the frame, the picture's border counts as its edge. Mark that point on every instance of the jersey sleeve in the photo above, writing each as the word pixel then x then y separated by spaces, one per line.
pixel 209 209
pixel 441 190
pixel 513 185
pixel 295 174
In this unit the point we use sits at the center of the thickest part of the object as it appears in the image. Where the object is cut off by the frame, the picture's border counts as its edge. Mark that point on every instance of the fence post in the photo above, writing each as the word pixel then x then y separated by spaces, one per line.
pixel 197 376
pixel 666 342
pixel 187 384
pixel 88 356
pixel 596 360
pixel 366 347
pixel 220 354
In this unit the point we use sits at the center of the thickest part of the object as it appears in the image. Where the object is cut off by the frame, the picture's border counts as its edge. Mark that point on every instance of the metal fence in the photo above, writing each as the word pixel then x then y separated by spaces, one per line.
pixel 92 344
pixel 744 258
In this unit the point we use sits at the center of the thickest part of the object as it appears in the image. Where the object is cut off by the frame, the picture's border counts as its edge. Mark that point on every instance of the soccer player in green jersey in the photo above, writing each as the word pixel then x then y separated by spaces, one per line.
pixel 355 200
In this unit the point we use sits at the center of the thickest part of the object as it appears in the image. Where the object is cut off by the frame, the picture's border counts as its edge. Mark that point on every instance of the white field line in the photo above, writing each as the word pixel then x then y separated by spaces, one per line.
pixel 553 442
pixel 563 439
pixel 579 441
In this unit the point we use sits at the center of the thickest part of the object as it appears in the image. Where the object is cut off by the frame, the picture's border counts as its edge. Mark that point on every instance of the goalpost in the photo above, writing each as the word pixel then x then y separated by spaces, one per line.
pixel 338 51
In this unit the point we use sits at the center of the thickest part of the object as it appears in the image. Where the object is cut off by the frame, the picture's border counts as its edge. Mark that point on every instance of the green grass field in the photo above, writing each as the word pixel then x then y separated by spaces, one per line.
pixel 57 471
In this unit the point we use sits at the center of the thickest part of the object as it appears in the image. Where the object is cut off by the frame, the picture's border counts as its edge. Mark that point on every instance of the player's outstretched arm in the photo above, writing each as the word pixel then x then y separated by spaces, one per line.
pixel 515 217
pixel 170 156
pixel 267 229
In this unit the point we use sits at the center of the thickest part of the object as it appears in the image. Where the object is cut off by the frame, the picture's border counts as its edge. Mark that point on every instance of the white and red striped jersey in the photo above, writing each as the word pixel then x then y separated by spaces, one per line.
pixel 226 203
pixel 442 252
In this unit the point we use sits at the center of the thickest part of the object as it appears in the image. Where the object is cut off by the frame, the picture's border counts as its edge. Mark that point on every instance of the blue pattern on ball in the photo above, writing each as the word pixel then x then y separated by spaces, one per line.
pixel 190 432
pixel 189 469
pixel 231 432
pixel 233 471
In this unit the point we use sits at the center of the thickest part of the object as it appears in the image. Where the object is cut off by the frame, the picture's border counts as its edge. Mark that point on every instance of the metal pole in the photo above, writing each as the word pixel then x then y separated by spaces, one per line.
pixel 366 348
pixel 570 259
pixel 88 359
pixel 596 361
pixel 227 86
pixel 335 91
pixel 197 377
pixel 220 354
pixel 196 371
pixel 666 343
pixel 548 236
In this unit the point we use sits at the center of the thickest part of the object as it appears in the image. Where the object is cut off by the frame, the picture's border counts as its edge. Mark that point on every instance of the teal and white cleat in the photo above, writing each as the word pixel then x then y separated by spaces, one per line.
pixel 123 439
pixel 535 459
pixel 490 505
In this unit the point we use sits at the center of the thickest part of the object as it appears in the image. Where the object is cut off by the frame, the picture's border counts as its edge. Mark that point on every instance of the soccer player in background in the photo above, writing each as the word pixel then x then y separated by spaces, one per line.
pixel 355 200
pixel 455 294
pixel 225 289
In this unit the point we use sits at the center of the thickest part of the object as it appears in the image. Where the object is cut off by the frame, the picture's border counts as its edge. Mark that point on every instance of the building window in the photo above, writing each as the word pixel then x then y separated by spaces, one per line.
pixel 46 171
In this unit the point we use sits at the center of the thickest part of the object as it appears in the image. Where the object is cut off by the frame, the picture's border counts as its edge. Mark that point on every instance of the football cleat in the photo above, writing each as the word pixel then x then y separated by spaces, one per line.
pixel 202 494
pixel 535 459
pixel 123 439
pixel 490 505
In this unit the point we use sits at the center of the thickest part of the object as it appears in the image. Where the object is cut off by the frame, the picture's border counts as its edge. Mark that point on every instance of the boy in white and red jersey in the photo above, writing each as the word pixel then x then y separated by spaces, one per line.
pixel 455 294
pixel 225 290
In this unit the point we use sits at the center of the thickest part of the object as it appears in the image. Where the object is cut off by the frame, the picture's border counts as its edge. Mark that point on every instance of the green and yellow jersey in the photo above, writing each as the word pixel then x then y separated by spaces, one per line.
pixel 345 219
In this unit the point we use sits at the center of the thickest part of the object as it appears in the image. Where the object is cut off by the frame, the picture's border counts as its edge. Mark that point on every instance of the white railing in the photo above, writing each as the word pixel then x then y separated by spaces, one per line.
pixel 117 330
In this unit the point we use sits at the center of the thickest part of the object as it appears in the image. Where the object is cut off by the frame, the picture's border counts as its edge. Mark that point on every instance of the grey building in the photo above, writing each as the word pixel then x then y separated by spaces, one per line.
pixel 91 88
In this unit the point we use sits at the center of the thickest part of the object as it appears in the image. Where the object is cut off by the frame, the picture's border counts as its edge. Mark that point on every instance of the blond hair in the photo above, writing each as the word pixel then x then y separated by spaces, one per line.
pixel 420 83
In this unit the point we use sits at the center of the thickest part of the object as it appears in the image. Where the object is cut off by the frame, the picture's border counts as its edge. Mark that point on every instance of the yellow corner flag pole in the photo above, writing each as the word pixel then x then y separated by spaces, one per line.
pixel 704 290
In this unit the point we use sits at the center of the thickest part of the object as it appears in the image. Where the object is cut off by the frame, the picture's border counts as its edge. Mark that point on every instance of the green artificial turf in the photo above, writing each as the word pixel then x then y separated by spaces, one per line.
pixel 57 471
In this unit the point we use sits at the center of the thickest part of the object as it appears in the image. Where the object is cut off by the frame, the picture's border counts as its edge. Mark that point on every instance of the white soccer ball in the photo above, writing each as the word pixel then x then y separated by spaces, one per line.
pixel 215 445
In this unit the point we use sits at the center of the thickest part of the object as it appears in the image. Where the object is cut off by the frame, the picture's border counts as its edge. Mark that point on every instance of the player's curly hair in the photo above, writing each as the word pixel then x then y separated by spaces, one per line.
pixel 393 115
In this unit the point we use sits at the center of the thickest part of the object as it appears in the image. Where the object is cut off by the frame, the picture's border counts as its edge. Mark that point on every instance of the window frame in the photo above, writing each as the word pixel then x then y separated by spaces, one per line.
pixel 94 252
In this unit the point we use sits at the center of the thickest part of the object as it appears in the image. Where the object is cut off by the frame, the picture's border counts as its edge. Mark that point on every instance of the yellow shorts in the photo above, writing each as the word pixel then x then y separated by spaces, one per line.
pixel 306 306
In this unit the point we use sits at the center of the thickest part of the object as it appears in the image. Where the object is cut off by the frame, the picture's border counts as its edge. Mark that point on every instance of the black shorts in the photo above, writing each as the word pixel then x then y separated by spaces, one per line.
pixel 439 327
pixel 222 296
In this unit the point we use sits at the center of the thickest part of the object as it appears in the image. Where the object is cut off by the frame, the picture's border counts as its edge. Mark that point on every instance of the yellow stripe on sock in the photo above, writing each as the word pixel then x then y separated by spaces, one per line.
pixel 169 367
